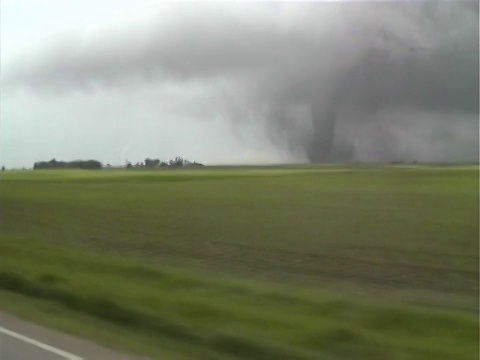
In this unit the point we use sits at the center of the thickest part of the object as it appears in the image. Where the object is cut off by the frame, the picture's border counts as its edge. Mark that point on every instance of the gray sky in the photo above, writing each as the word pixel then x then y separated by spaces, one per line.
pixel 224 82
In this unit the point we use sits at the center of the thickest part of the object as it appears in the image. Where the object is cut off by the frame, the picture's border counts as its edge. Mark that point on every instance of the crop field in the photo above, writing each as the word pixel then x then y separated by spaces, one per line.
pixel 314 262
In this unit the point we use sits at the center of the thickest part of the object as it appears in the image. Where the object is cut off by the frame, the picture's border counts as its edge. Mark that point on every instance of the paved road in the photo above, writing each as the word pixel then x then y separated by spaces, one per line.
pixel 22 340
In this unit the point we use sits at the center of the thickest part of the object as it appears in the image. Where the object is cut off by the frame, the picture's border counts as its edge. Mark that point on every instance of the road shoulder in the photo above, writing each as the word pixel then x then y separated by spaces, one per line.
pixel 80 347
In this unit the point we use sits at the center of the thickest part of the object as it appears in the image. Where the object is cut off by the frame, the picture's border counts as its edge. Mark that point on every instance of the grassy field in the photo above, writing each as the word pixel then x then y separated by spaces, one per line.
pixel 255 263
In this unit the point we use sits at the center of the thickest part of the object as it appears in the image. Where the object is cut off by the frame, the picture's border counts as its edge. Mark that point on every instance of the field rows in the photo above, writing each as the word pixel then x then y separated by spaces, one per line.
pixel 304 262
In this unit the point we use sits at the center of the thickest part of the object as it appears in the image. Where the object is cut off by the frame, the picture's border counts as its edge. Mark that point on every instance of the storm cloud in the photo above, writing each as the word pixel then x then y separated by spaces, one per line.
pixel 324 82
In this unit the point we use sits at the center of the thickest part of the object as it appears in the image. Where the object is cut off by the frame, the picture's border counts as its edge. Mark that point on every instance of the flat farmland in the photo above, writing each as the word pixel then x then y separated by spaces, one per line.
pixel 261 262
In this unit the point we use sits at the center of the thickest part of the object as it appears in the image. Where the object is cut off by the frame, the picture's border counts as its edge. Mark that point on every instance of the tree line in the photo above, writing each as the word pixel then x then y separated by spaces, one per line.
pixel 152 163
pixel 76 164
pixel 95 164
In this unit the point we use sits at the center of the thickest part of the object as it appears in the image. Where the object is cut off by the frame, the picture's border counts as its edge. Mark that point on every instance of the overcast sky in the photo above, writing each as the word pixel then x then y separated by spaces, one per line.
pixel 251 82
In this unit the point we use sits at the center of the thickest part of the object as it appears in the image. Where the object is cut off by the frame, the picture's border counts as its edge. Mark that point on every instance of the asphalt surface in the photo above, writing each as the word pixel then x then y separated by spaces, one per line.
pixel 15 349
pixel 23 340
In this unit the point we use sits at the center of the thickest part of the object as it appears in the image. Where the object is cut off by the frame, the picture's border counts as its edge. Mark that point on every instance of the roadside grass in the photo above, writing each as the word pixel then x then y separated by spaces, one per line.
pixel 288 262
pixel 120 338
pixel 242 319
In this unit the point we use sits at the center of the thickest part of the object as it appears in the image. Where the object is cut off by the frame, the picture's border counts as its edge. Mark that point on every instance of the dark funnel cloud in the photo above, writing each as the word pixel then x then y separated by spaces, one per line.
pixel 333 81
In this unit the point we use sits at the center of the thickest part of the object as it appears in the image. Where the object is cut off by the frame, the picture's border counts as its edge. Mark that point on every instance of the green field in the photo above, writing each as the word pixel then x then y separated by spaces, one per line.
pixel 249 263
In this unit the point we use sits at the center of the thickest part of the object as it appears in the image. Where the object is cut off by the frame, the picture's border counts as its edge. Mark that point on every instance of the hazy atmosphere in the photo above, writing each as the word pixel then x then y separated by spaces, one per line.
pixel 246 82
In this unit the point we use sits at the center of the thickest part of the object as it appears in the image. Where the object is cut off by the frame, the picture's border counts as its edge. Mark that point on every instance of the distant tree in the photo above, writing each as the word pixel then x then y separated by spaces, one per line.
pixel 177 162
pixel 3 168
pixel 129 165
pixel 40 165
pixel 152 162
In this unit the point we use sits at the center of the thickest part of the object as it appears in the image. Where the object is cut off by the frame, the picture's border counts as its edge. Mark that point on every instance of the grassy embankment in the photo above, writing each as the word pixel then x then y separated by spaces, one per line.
pixel 345 263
